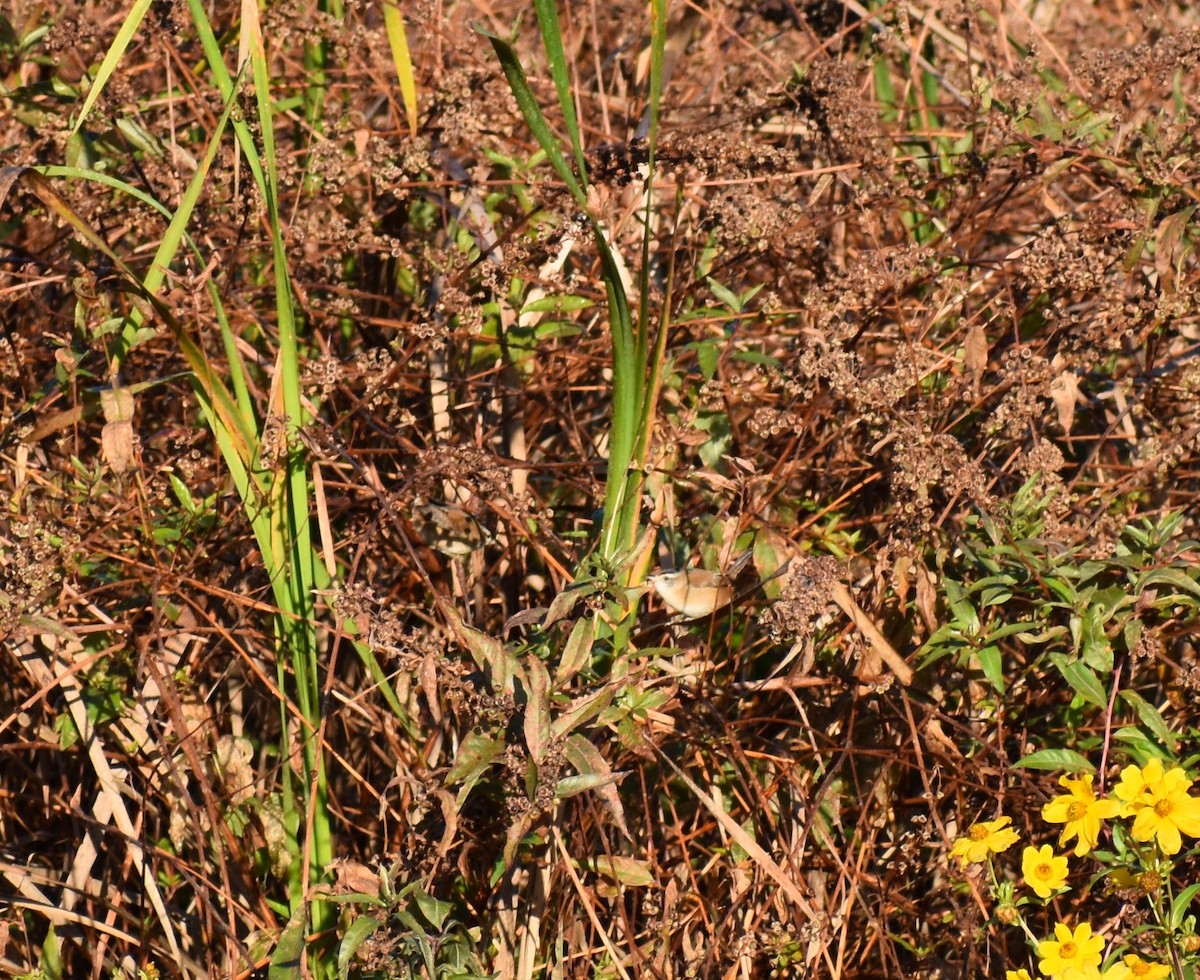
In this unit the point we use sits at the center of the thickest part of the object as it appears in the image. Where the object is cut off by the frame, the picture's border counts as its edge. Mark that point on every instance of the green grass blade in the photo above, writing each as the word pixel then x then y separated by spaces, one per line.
pixel 294 572
pixel 628 377
pixel 316 62
pixel 627 387
pixel 658 43
pixel 532 113
pixel 547 14
pixel 225 85
pixel 644 407
pixel 112 58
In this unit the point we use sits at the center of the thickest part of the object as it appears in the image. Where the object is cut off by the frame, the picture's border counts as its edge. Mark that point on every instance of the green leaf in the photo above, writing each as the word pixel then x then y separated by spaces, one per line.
pixel 1012 629
pixel 708 355
pixel 421 941
pixel 995 595
pixel 1063 589
pixel 577 651
pixel 1082 679
pixel 411 923
pixel 755 357
pixel 724 294
pixel 1053 634
pixel 50 964
pixel 770 554
pixel 991 584
pixel 556 330
pixel 285 961
pixel 1179 580
pixel 943 642
pixel 624 870
pixel 557 304
pixel 356 934
pixel 1094 645
pixel 182 494
pixel 1051 760
pixel 516 833
pixel 354 898
pixel 587 761
pixel 476 752
pixel 1132 634
pixel 1150 717
pixel 435 911
pixel 166 535
pixel 720 437
pixel 991 662
pixel 966 619
pixel 1140 746
pixel 489 654
pixel 562 604
pixel 1179 907
pixel 582 710
pixel 538 736
pixel 64 727
pixel 570 786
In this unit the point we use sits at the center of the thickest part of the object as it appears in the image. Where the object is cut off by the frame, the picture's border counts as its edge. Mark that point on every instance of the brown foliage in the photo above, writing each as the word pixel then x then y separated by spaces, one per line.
pixel 939 321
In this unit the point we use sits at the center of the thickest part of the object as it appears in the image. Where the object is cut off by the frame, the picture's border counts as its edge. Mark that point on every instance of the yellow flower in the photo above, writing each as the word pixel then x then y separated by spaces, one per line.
pixel 1079 809
pixel 1043 872
pixel 1017 975
pixel 1133 788
pixel 983 839
pixel 1133 967
pixel 1071 955
pixel 1159 803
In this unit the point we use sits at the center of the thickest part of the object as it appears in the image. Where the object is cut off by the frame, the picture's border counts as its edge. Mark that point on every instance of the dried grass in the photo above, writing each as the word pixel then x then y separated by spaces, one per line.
pixel 791 807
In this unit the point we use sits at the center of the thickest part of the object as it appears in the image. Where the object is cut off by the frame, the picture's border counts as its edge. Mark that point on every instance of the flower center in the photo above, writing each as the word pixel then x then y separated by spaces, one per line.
pixel 1068 951
pixel 1044 871
pixel 1140 968
pixel 1162 808
pixel 1077 811
pixel 978 832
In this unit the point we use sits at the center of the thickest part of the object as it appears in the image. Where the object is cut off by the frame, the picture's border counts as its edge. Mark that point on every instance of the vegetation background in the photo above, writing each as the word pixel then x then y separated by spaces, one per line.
pixel 326 644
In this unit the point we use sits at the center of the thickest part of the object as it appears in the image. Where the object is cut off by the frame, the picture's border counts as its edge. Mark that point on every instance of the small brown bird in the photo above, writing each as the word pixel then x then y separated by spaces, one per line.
pixel 693 592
